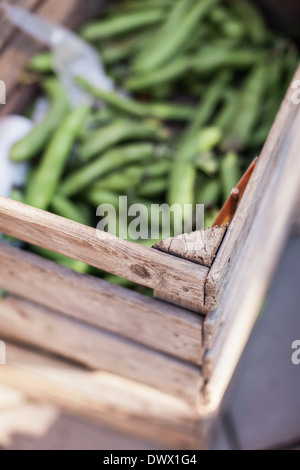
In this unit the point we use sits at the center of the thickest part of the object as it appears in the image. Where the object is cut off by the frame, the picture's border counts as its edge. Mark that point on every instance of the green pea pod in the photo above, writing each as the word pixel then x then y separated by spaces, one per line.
pixel 153 187
pixel 121 24
pixel 115 99
pixel 45 180
pixel 64 207
pixel 149 56
pixel 182 30
pixel 117 132
pixel 183 173
pixel 98 196
pixel 166 73
pixel 127 179
pixel 35 141
pixel 230 173
pixel 207 163
pixel 252 20
pixel 215 57
pixel 209 193
pixel 42 63
pixel 109 161
pixel 248 112
pixel 171 112
pixel 228 111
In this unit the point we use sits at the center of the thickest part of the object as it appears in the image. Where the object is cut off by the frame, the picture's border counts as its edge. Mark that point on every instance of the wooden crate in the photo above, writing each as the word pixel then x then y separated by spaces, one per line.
pixel 143 365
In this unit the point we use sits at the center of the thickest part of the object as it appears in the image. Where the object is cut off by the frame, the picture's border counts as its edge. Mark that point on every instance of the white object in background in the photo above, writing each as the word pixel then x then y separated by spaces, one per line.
pixel 73 57
pixel 12 129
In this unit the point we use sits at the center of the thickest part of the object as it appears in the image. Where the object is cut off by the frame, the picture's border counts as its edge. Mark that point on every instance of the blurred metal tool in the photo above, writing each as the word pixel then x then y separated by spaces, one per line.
pixel 73 57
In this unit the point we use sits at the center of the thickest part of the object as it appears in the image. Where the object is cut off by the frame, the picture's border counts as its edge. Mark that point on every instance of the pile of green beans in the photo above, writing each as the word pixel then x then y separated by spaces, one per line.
pixel 198 84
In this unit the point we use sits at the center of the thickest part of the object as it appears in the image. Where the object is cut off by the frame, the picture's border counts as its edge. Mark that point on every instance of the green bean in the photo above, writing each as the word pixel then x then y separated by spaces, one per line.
pixel 42 63
pixel 116 100
pixel 45 180
pixel 230 173
pixel 183 174
pixel 168 72
pixel 248 111
pixel 189 24
pixel 99 196
pixel 148 57
pixel 64 207
pixel 35 141
pixel 212 58
pixel 252 20
pixel 139 5
pixel 124 180
pixel 121 24
pixel 207 163
pixel 153 187
pixel 115 52
pixel 219 15
pixel 120 131
pixel 109 161
pixel 70 263
pixel 234 29
pixel 172 112
pixel 228 111
pixel 208 138
pixel 209 193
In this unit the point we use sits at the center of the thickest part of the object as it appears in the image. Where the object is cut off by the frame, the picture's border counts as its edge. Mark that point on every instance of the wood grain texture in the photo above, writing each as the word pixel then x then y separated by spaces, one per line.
pixel 20 48
pixel 103 397
pixel 259 184
pixel 135 316
pixel 27 322
pixel 200 246
pixel 131 261
pixel 10 398
pixel 272 197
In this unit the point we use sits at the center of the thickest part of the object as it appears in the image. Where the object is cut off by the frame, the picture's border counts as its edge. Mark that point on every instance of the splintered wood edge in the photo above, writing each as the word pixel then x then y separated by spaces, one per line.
pixel 199 247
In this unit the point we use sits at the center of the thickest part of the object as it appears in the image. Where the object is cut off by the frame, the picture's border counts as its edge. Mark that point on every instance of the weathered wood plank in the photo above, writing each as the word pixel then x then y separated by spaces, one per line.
pixel 137 263
pixel 259 183
pixel 10 398
pixel 269 220
pixel 100 396
pixel 135 316
pixel 27 322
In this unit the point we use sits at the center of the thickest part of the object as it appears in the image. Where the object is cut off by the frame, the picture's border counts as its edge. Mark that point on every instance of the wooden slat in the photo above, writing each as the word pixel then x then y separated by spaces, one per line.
pixel 100 396
pixel 268 221
pixel 10 398
pixel 137 263
pixel 156 324
pixel 250 204
pixel 27 322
